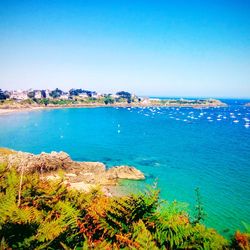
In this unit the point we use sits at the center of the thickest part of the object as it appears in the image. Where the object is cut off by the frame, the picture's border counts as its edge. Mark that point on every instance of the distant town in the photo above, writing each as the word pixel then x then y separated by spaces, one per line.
pixel 81 97
pixel 72 94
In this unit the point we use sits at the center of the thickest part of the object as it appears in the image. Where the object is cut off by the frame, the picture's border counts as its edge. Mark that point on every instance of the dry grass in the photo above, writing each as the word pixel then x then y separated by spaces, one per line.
pixel 6 151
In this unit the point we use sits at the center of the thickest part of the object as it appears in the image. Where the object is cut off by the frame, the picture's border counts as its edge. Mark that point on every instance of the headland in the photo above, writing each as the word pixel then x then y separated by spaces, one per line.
pixel 30 100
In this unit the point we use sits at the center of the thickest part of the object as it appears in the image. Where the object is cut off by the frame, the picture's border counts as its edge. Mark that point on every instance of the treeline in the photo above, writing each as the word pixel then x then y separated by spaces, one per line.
pixel 73 95
pixel 38 214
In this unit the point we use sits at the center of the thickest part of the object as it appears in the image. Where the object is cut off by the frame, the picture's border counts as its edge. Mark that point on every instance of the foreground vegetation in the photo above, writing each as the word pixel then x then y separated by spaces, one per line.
pixel 38 214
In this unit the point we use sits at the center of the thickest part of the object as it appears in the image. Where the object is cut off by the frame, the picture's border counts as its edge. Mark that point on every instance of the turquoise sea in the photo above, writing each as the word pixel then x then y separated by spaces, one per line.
pixel 181 148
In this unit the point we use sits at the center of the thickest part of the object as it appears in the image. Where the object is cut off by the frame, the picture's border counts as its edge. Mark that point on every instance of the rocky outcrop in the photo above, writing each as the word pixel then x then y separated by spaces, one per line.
pixel 125 172
pixel 37 163
pixel 91 167
pixel 79 175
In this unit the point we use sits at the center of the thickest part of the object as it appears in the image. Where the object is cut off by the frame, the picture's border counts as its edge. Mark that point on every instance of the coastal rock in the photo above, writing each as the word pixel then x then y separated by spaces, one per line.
pixel 93 167
pixel 125 172
pixel 37 163
pixel 79 175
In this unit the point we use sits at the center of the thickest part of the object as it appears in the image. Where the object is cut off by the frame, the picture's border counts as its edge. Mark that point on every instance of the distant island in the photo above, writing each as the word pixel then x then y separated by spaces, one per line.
pixel 32 99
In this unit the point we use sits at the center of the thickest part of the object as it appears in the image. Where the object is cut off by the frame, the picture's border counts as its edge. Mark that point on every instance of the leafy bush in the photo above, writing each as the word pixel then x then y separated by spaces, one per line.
pixel 108 100
pixel 44 101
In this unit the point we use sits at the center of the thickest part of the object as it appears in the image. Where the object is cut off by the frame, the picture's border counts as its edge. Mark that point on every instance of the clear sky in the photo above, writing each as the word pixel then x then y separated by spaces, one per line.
pixel 150 47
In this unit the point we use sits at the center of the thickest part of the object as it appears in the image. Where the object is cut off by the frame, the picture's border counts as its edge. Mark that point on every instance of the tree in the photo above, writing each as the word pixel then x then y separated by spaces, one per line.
pixel 125 95
pixel 76 92
pixel 2 95
pixel 7 94
pixel 56 93
pixel 43 93
pixel 31 94
pixel 108 100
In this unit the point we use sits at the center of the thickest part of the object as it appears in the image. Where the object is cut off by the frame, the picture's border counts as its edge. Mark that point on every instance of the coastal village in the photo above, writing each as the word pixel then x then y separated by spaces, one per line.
pixel 81 97
pixel 21 95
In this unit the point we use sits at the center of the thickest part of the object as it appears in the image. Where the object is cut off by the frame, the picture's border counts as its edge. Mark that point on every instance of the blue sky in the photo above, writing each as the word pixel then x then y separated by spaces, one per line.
pixel 150 47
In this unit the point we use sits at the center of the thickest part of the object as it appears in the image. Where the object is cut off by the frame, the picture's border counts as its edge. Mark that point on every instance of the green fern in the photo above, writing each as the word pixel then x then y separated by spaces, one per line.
pixel 51 216
pixel 143 237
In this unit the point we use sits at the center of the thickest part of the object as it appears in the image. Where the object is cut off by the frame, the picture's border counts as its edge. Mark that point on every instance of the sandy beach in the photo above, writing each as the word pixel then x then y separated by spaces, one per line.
pixel 6 111
pixel 10 111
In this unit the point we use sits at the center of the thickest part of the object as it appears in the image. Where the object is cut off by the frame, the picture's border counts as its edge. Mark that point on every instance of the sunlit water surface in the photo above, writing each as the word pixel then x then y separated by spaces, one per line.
pixel 181 148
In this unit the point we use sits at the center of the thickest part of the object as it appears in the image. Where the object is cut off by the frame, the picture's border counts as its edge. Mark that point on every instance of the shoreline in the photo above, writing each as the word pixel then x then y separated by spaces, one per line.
pixel 11 110
pixel 18 110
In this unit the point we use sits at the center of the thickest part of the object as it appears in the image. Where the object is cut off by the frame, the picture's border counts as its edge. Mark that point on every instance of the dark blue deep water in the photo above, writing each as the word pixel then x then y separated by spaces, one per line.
pixel 183 148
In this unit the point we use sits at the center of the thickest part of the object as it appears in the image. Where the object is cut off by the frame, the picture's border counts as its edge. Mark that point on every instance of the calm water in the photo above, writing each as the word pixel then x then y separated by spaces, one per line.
pixel 182 148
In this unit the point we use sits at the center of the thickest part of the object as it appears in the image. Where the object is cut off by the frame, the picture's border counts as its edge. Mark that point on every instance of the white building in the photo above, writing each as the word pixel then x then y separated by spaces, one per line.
pixel 64 97
pixel 145 101
pixel 97 95
pixel 19 95
pixel 83 95
pixel 115 96
pixel 47 92
pixel 38 94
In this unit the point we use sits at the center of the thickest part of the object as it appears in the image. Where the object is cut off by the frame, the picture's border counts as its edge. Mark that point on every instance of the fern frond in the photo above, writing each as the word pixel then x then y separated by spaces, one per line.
pixel 143 237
